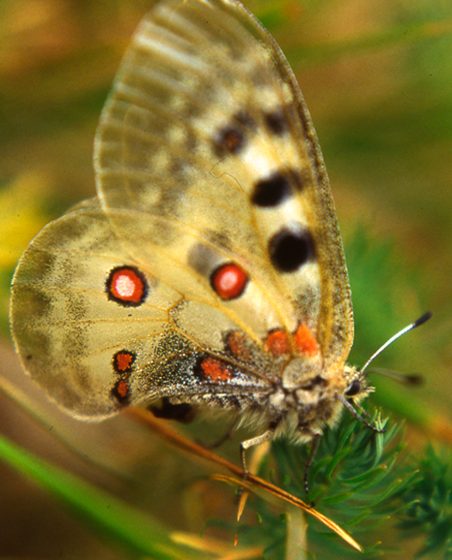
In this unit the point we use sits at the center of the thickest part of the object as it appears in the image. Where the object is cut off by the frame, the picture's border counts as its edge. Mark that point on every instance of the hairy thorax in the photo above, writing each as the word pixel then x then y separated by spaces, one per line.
pixel 305 399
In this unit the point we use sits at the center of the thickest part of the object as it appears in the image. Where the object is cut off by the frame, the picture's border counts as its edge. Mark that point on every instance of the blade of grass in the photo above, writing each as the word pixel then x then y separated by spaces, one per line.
pixel 108 515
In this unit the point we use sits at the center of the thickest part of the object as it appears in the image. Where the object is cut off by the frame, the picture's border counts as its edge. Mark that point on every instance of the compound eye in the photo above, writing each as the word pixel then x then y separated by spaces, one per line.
pixel 353 389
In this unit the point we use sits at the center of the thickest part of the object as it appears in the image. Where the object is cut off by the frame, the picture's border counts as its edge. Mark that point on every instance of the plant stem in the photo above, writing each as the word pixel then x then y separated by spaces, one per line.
pixel 297 530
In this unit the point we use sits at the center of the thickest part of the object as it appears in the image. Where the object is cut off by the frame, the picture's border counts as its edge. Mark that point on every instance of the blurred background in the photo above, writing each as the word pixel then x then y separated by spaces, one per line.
pixel 377 77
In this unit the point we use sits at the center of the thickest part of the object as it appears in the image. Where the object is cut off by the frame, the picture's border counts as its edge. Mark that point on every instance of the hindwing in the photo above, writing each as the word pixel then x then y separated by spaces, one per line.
pixel 98 330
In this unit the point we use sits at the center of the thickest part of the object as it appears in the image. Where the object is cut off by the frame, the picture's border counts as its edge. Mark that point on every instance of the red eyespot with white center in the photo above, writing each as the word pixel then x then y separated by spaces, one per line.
pixel 229 281
pixel 127 286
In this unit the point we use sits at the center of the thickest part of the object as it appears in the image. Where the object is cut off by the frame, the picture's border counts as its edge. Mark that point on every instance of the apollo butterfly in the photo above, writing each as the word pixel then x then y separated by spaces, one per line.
pixel 209 269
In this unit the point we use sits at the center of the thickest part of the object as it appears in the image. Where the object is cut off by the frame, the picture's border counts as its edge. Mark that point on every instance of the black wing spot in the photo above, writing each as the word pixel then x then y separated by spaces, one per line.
pixel 276 122
pixel 289 249
pixel 232 138
pixel 229 141
pixel 271 191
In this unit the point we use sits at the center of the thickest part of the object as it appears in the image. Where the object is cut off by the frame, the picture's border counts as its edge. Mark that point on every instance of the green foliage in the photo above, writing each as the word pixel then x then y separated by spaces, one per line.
pixel 353 474
pixel 428 504
pixel 386 294
pixel 369 483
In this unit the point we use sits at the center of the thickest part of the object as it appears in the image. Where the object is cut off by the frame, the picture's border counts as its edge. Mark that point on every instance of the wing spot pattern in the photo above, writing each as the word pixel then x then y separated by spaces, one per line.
pixel 305 341
pixel 211 369
pixel 229 281
pixel 229 140
pixel 291 248
pixel 232 138
pixel 271 191
pixel 121 391
pixel 127 286
pixel 277 342
pixel 123 361
pixel 235 344
pixel 276 122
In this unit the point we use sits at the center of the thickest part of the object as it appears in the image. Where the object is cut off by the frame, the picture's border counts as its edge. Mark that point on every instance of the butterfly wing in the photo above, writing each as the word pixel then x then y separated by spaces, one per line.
pixel 215 233
pixel 207 133
pixel 98 330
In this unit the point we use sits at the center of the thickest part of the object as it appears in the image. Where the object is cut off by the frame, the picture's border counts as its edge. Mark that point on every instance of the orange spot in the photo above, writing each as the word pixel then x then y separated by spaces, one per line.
pixel 215 370
pixel 123 360
pixel 236 344
pixel 277 342
pixel 305 341
pixel 121 389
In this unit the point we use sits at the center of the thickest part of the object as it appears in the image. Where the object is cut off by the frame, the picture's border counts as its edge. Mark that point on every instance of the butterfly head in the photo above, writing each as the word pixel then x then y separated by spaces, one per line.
pixel 309 375
pixel 356 387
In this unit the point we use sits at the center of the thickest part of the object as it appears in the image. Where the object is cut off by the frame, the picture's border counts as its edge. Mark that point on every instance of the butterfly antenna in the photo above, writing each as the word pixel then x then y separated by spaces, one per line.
pixel 422 319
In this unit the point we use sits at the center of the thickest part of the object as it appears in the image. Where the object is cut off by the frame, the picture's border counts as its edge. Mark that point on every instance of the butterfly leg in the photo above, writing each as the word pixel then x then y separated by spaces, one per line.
pixel 350 407
pixel 307 466
pixel 244 445
pixel 219 441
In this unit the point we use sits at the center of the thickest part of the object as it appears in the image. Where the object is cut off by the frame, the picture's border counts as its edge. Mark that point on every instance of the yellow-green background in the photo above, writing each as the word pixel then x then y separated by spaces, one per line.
pixel 377 77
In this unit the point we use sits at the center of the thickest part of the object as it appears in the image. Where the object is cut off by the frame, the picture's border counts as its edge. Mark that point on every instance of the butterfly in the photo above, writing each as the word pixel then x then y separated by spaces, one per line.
pixel 209 269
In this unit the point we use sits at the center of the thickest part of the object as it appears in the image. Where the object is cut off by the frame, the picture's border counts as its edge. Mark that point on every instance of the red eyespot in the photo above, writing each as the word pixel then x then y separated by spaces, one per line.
pixel 277 342
pixel 127 285
pixel 123 361
pixel 214 370
pixel 229 281
pixel 305 341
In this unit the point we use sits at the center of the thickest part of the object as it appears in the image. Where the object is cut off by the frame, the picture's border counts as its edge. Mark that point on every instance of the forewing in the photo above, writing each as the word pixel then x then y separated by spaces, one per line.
pixel 98 330
pixel 207 134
